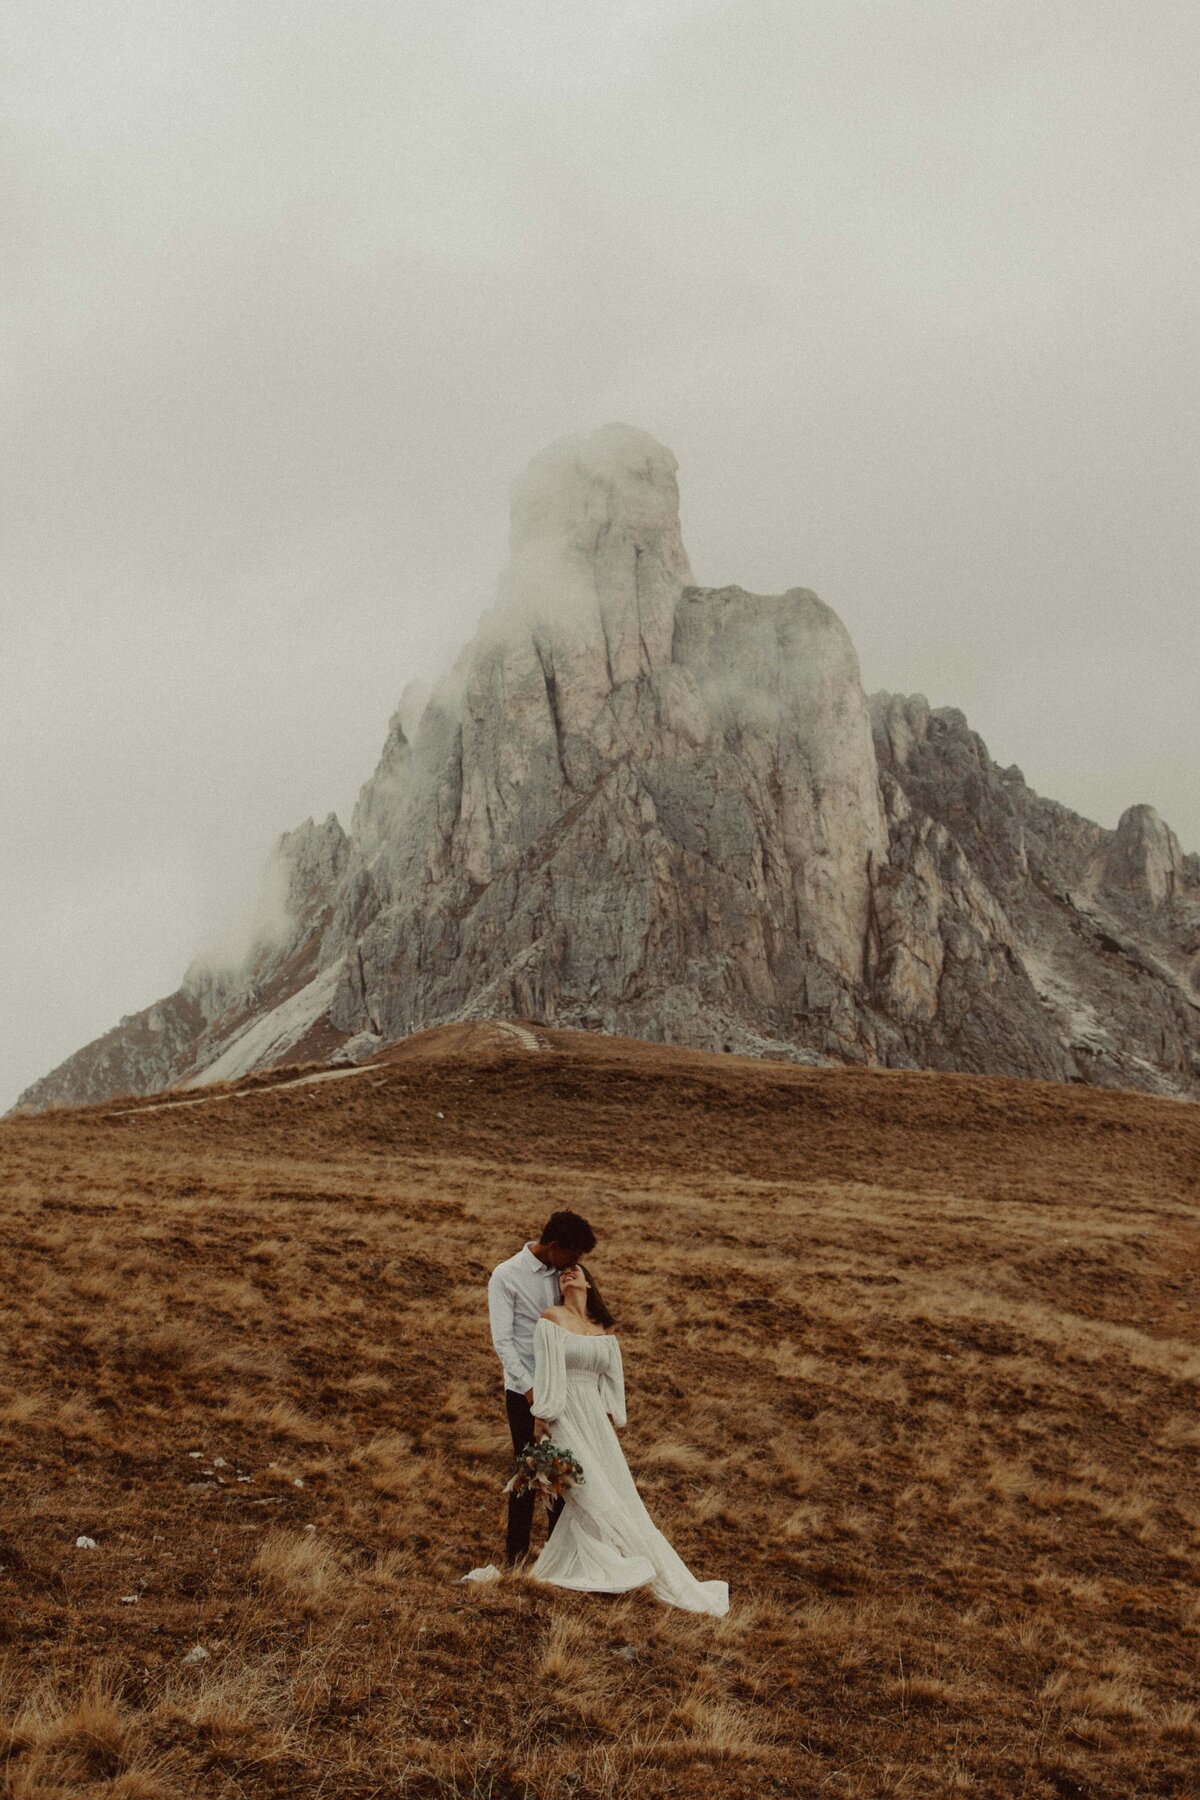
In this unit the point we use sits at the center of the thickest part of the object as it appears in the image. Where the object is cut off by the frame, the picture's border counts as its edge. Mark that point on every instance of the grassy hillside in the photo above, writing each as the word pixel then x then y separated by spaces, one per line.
pixel 912 1363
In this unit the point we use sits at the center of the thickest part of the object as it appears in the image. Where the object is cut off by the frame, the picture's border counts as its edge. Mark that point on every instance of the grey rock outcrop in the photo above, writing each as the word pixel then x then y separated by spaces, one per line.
pixel 637 805
pixel 1089 966
pixel 1144 861
pixel 220 998
pixel 292 911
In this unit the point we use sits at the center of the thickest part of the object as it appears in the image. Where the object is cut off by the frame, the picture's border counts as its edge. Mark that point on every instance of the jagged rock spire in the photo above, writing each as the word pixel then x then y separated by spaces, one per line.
pixel 644 806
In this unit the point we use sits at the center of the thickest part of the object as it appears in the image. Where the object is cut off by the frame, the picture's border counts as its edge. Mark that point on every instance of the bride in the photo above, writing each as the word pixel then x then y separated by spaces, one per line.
pixel 605 1541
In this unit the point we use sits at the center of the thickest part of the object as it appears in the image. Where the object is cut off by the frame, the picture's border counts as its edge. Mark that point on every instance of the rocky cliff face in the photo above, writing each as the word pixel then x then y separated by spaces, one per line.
pixel 227 1019
pixel 641 806
pixel 1033 941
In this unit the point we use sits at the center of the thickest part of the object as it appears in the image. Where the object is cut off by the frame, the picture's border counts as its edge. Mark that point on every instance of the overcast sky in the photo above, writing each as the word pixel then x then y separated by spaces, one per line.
pixel 291 289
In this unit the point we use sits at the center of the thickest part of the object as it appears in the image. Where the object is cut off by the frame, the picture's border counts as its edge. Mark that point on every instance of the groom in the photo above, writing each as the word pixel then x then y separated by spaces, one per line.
pixel 519 1292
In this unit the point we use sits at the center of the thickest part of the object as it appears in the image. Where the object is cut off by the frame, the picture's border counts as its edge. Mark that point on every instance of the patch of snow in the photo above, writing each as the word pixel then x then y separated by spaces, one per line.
pixel 85 1543
pixel 268 1038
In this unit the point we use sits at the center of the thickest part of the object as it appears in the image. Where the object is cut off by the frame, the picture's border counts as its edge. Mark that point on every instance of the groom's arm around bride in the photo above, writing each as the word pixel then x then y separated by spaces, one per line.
pixel 519 1291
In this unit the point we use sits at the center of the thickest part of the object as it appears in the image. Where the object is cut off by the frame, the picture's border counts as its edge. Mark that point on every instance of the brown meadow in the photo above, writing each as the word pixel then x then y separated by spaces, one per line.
pixel 912 1362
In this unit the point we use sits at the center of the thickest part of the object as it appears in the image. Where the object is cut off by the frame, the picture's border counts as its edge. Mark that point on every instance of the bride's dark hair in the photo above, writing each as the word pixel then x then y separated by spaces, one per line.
pixel 596 1309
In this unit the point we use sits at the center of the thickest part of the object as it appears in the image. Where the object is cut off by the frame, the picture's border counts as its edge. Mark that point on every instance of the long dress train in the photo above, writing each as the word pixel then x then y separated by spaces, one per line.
pixel 605 1541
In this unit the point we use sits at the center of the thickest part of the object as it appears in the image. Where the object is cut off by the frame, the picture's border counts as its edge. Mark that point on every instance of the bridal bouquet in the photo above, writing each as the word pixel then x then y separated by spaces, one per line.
pixel 544 1469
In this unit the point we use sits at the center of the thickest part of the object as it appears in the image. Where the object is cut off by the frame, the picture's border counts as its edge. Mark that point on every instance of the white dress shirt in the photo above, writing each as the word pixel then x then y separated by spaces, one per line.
pixel 519 1291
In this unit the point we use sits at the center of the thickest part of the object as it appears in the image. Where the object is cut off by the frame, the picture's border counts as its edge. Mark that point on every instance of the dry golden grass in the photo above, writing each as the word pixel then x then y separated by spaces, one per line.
pixel 912 1362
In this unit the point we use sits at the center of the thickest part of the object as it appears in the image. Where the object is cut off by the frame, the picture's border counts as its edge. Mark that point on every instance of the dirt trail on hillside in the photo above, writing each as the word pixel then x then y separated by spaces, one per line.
pixel 439 1044
pixel 234 1093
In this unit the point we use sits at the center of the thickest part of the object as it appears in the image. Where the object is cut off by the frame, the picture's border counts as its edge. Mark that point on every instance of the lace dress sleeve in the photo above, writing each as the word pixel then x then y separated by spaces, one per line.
pixel 614 1385
pixel 549 1371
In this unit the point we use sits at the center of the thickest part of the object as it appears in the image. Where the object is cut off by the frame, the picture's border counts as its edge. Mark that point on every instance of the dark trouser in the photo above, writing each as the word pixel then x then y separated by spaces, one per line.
pixel 520 1506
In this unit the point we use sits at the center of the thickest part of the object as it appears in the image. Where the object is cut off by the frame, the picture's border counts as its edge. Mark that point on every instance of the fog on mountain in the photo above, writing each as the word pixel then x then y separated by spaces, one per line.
pixel 639 806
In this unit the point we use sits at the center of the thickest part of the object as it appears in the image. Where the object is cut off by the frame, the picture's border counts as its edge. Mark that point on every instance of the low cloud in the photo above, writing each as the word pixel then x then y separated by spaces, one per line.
pixel 289 296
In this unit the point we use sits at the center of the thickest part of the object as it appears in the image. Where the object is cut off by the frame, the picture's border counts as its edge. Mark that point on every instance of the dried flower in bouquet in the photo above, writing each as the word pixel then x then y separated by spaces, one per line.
pixel 544 1469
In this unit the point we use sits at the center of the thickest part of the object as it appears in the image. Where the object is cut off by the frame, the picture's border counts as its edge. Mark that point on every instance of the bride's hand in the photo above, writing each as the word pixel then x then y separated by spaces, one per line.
pixel 540 1430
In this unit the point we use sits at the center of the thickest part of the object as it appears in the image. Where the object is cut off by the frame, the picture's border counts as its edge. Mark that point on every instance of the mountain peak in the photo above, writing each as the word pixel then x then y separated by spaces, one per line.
pixel 597 560
pixel 617 477
pixel 659 810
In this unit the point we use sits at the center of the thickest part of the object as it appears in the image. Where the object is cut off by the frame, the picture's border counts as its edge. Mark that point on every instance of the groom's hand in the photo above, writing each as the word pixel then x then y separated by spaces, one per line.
pixel 529 1397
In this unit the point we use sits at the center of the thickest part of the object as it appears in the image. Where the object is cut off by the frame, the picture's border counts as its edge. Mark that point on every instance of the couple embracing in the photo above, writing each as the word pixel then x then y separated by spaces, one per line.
pixel 563 1378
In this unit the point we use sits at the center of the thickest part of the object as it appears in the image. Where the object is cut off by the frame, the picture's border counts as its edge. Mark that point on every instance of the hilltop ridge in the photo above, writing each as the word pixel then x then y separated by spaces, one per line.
pixel 911 1362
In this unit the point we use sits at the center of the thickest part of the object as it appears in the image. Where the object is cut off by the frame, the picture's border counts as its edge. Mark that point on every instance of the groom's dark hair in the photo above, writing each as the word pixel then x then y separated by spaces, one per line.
pixel 569 1232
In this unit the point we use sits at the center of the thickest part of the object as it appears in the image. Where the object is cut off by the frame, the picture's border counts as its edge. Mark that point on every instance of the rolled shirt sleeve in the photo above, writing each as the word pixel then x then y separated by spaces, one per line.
pixel 517 1374
pixel 549 1371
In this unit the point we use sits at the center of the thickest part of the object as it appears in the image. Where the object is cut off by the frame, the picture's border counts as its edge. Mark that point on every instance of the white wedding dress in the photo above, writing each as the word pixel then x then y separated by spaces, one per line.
pixel 605 1541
